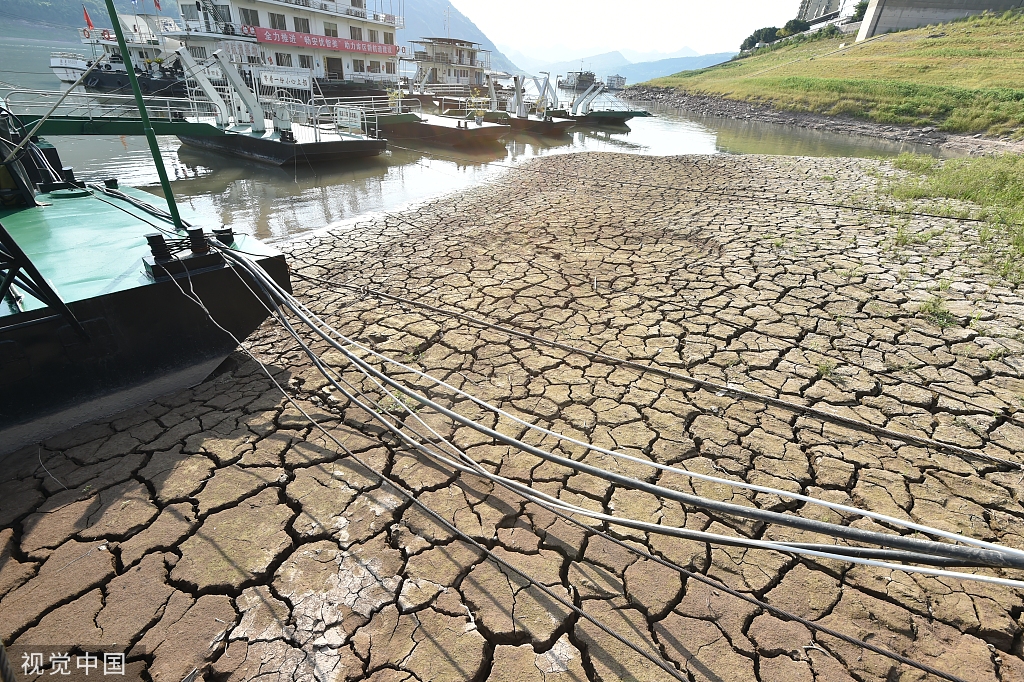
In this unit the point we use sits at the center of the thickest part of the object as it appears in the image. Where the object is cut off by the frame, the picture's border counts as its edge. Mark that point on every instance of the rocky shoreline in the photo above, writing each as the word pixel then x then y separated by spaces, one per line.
pixel 215 530
pixel 709 105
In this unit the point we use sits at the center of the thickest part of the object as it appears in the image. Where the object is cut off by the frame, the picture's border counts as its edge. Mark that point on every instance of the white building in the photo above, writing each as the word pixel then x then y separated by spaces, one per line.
pixel 341 46
pixel 615 82
pixel 448 61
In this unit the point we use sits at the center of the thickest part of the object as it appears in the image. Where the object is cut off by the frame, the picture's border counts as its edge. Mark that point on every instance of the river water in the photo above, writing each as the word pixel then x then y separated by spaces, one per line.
pixel 276 202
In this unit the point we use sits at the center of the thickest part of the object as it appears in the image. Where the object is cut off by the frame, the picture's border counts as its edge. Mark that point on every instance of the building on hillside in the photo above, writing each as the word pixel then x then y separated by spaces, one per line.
pixel 615 82
pixel 818 10
pixel 884 16
pixel 449 61
pixel 338 47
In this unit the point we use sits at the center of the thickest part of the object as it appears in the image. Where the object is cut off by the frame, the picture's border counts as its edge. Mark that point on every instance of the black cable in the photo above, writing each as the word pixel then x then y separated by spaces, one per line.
pixel 992 557
pixel 440 520
pixel 701 383
pixel 699 577
pixel 939 390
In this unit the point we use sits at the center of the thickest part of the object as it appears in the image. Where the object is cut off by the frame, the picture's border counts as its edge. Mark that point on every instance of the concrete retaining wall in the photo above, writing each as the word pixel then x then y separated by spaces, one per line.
pixel 896 15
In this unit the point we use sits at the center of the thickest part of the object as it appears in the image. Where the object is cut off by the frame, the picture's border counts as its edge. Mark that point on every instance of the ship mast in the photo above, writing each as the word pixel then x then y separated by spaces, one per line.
pixel 154 148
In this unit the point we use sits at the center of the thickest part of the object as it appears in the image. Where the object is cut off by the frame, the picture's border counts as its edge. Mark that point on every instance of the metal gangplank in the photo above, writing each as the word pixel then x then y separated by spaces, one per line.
pixel 107 114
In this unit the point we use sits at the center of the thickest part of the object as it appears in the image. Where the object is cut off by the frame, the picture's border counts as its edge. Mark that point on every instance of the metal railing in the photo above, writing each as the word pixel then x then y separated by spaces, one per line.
pixel 25 102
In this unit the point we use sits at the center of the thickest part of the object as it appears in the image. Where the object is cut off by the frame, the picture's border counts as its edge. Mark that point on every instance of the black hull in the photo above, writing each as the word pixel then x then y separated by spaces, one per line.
pixel 116 83
pixel 542 128
pixel 143 342
pixel 331 89
pixel 282 153
pixel 469 137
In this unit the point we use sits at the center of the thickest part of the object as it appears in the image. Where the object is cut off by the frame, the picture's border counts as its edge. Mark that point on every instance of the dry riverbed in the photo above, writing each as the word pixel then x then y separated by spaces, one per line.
pixel 216 529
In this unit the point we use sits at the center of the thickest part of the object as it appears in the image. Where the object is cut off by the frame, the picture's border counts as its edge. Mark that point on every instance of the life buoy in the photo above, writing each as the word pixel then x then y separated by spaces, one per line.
pixel 270 60
pixel 106 34
pixel 85 33
pixel 144 86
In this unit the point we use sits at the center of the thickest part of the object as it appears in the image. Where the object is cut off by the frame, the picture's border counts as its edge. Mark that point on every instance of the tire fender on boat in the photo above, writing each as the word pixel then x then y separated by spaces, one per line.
pixel 92 82
pixel 106 34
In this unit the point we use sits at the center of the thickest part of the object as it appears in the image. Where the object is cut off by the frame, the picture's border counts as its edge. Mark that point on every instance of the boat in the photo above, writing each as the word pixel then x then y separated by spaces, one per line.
pixel 297 133
pixel 152 52
pixel 451 131
pixel 93 318
pixel 577 80
pixel 519 117
pixel 596 107
pixel 107 301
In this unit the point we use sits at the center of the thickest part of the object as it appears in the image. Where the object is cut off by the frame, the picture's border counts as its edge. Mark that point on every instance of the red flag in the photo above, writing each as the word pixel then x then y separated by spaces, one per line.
pixel 157 3
pixel 88 21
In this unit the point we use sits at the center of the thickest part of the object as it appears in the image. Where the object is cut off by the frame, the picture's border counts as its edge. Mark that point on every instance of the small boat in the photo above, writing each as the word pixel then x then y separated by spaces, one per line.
pixel 156 66
pixel 531 123
pixel 433 129
pixel 577 80
pixel 107 301
pixel 519 117
pixel 598 108
pixel 299 132
pixel 94 317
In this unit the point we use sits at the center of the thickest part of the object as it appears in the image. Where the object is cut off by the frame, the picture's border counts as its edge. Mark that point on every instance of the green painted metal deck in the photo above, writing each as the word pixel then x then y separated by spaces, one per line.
pixel 87 244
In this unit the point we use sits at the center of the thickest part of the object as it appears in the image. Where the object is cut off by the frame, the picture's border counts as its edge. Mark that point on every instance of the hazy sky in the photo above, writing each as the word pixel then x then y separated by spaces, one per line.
pixel 564 29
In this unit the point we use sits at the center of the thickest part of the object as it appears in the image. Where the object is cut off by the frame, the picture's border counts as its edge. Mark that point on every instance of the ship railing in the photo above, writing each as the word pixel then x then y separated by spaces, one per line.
pixel 67 55
pixel 103 107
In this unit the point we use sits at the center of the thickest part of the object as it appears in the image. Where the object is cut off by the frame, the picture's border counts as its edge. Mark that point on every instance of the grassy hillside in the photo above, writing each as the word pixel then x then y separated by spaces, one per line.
pixel 966 77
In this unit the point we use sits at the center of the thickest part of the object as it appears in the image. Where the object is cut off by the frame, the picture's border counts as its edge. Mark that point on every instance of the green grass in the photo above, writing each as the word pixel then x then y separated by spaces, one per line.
pixel 970 80
pixel 994 184
pixel 934 310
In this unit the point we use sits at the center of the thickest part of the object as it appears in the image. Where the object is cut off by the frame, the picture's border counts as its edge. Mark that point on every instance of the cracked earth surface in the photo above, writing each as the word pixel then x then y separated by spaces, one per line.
pixel 216 529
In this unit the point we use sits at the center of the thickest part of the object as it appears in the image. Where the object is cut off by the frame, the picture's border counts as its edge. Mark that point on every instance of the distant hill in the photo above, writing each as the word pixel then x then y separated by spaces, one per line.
pixel 423 18
pixel 645 71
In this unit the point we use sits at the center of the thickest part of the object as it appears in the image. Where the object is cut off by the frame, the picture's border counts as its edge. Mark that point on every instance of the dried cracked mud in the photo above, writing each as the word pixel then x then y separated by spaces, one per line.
pixel 216 530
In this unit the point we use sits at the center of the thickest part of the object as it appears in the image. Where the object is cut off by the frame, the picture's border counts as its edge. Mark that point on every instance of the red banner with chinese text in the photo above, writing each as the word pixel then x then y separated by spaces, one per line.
pixel 274 37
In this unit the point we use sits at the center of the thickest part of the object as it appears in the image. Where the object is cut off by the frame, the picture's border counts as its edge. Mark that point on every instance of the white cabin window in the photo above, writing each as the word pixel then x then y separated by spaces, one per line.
pixel 283 59
pixel 355 33
pixel 359 3
pixel 389 38
pixel 330 30
pixel 389 67
pixel 374 67
pixel 223 13
pixel 372 35
pixel 305 61
pixel 189 11
pixel 301 25
pixel 277 22
pixel 358 65
pixel 249 17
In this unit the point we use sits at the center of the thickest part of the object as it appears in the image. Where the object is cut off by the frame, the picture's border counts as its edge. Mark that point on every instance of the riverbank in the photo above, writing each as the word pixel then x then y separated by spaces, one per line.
pixel 947 81
pixel 710 105
pixel 217 530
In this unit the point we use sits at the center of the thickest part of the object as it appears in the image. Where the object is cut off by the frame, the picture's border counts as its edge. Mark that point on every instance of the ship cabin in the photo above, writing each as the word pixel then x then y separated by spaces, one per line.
pixel 336 48
pixel 449 61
